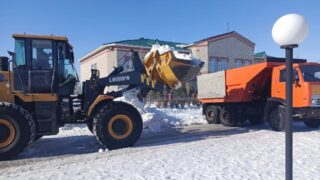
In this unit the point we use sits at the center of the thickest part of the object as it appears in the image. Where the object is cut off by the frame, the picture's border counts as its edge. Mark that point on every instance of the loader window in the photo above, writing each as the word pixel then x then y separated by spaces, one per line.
pixel 42 54
pixel 20 52
pixel 65 68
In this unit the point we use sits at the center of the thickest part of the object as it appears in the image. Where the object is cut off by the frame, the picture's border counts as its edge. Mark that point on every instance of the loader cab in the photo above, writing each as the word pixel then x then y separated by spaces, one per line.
pixel 43 64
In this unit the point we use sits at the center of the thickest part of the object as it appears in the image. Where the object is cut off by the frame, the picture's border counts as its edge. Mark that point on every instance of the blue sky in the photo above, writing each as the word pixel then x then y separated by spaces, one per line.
pixel 88 24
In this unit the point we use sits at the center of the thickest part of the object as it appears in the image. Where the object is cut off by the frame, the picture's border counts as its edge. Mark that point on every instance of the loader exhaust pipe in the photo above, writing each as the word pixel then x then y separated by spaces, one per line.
pixel 4 61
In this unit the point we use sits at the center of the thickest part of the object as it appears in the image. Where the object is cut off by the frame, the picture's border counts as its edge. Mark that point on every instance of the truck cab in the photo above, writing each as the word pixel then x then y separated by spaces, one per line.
pixel 306 88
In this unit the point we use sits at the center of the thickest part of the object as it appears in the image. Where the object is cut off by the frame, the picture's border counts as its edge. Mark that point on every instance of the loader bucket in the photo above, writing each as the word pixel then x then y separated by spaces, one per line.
pixel 171 70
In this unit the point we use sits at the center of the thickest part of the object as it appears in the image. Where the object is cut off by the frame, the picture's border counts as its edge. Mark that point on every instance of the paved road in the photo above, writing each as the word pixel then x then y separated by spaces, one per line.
pixel 57 147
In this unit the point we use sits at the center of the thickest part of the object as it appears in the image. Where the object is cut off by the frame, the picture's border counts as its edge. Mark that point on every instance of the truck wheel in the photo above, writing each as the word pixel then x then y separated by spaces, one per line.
pixel 117 125
pixel 277 118
pixel 228 117
pixel 212 114
pixel 312 123
pixel 17 130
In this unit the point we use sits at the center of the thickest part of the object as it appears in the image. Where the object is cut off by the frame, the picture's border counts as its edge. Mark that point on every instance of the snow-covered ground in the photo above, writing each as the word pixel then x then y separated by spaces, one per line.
pixel 175 144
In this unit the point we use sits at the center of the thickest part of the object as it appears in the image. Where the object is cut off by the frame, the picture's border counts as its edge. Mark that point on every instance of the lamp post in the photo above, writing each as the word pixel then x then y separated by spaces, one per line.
pixel 288 32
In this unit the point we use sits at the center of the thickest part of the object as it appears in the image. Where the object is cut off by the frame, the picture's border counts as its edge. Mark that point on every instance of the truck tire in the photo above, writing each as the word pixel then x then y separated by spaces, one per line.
pixel 17 130
pixel 277 118
pixel 228 116
pixel 312 123
pixel 212 114
pixel 117 125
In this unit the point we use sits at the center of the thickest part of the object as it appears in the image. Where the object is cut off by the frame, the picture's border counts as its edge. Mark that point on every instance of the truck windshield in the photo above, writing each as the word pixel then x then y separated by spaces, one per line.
pixel 311 73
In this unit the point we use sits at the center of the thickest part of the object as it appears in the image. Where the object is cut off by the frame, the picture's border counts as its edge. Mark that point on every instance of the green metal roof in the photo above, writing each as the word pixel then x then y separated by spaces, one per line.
pixel 261 54
pixel 148 43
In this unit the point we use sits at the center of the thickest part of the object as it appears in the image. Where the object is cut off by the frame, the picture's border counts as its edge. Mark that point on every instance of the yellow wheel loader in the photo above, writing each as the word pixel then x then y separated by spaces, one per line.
pixel 37 85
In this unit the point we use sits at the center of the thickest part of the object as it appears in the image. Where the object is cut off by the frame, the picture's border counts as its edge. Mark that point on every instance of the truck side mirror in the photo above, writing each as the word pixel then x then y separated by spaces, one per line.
pixel 296 77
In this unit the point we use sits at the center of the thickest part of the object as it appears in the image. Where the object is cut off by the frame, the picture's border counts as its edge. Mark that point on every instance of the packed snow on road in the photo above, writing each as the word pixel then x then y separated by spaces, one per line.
pixel 175 144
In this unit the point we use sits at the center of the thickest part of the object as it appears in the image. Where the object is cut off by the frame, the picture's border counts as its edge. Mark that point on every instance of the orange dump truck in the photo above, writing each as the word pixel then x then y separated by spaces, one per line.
pixel 257 93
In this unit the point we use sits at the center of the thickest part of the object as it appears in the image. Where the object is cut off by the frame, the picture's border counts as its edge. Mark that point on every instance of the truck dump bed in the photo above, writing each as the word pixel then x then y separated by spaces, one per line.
pixel 242 84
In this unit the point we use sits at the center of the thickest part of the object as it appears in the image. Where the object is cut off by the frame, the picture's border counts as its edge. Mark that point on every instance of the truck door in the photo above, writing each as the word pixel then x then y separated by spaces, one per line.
pixel 279 86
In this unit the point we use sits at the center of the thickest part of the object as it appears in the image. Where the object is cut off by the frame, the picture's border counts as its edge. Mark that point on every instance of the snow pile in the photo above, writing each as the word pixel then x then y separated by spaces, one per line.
pixel 154 119
pixel 159 119
pixel 75 130
pixel 162 49
pixel 184 56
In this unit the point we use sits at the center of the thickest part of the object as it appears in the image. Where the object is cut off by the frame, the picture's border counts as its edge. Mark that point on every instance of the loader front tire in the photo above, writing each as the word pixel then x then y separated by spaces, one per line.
pixel 117 125
pixel 17 130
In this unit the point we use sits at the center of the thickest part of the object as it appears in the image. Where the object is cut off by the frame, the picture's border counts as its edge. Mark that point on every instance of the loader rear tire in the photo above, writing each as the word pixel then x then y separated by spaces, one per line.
pixel 117 125
pixel 17 130
pixel 212 114
pixel 228 116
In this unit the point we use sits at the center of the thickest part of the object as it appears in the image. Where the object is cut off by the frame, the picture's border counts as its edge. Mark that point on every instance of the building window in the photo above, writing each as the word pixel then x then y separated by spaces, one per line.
pixel 94 66
pixel 213 64
pixel 247 62
pixel 242 62
pixel 238 63
pixel 222 64
pixel 217 64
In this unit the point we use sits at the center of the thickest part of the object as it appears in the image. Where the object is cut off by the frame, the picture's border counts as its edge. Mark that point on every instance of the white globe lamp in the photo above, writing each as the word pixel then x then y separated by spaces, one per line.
pixel 290 29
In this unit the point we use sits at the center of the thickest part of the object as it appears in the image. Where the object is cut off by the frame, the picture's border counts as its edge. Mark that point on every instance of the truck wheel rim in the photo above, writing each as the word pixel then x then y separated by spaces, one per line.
pixel 120 127
pixel 7 133
pixel 210 115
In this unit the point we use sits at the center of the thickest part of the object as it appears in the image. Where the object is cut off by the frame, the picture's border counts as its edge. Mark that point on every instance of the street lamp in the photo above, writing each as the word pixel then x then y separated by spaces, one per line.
pixel 288 32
